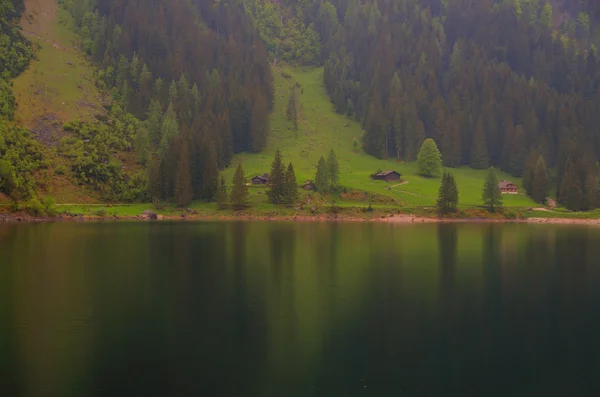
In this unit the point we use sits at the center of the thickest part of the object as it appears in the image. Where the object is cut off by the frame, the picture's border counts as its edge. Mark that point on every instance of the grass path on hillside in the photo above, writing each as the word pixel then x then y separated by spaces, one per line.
pixel 325 130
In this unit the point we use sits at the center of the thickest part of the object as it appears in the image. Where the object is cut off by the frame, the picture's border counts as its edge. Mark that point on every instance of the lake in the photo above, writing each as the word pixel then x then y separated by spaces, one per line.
pixel 263 309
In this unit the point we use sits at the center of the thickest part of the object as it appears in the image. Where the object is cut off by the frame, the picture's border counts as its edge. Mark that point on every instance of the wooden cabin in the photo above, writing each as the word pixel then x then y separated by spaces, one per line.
pixel 386 176
pixel 261 179
pixel 507 187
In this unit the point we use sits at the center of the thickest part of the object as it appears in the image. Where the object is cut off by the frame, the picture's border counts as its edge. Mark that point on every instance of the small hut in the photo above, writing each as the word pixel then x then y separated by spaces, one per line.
pixel 386 176
pixel 261 179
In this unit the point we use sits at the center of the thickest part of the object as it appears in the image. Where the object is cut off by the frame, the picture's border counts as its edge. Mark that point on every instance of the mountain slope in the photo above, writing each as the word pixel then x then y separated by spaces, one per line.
pixel 322 129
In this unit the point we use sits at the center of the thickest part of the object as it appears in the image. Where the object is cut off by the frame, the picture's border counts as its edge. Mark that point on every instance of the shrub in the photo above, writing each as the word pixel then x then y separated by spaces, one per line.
pixel 333 208
pixel 49 205
pixel 100 212
pixel 35 208
pixel 510 214
pixel 60 170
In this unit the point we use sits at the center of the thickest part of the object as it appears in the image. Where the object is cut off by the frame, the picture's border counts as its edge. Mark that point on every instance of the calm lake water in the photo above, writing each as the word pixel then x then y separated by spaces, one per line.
pixel 299 309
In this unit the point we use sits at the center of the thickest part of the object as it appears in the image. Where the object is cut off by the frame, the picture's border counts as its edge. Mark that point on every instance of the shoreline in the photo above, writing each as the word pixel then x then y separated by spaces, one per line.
pixel 392 219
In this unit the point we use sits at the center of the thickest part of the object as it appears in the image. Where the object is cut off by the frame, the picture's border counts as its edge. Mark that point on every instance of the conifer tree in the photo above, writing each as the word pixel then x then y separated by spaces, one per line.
pixel 277 179
pixel 290 193
pixel 169 129
pixel 222 194
pixel 142 144
pixel 479 153
pixel 183 178
pixel 448 195
pixel 429 159
pixel 154 179
pixel 570 191
pixel 492 196
pixel 591 187
pixel 154 122
pixel 333 170
pixel 239 192
pixel 321 182
pixel 539 183
pixel 529 171
pixel 292 109
pixel 210 174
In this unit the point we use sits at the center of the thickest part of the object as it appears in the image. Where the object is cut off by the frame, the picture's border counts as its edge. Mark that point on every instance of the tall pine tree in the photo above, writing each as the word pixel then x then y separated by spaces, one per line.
pixel 222 194
pixel 183 178
pixel 321 179
pixel 447 195
pixel 540 180
pixel 239 192
pixel 333 170
pixel 290 191
pixel 492 196
pixel 479 152
pixel 277 179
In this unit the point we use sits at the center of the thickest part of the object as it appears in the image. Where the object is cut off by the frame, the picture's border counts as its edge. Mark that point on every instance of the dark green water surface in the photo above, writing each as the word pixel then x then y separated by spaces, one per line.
pixel 262 309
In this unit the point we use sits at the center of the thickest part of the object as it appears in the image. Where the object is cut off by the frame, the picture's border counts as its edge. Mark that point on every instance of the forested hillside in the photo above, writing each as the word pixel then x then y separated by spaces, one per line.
pixel 509 83
pixel 493 82
pixel 195 73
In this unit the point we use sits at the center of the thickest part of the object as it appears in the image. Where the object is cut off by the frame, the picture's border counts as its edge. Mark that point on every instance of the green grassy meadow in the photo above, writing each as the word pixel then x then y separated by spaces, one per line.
pixel 59 83
pixel 321 129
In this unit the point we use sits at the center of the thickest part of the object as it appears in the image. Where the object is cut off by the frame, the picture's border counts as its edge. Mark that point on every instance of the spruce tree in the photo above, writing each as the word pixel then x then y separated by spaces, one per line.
pixel 210 174
pixel 292 109
pixel 239 192
pixel 479 152
pixel 277 179
pixel 429 159
pixel 141 144
pixel 492 196
pixel 448 195
pixel 539 183
pixel 591 187
pixel 154 122
pixel 290 193
pixel 183 178
pixel 321 182
pixel 529 171
pixel 333 170
pixel 154 179
pixel 169 129
pixel 222 194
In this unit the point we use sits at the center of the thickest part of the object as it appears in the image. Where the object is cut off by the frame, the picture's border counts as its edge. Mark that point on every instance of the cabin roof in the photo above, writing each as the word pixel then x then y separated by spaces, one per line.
pixel 264 177
pixel 385 173
pixel 506 185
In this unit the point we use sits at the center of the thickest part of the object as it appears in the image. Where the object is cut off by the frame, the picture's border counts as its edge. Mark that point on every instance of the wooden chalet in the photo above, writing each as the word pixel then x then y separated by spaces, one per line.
pixel 507 187
pixel 386 176
pixel 261 179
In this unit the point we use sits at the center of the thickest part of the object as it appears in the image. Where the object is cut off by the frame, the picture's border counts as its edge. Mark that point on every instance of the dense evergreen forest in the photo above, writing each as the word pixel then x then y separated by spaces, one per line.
pixel 493 82
pixel 195 72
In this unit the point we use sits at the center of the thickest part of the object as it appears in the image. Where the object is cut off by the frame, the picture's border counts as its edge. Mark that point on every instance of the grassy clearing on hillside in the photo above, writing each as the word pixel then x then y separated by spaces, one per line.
pixel 321 129
pixel 59 85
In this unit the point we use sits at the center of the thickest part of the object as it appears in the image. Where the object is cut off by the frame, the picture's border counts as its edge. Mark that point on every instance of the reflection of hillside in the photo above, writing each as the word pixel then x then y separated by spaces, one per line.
pixel 52 311
pixel 261 308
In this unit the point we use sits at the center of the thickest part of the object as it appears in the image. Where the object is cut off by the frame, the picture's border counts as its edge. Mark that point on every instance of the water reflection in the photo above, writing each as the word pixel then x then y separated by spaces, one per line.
pixel 314 309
